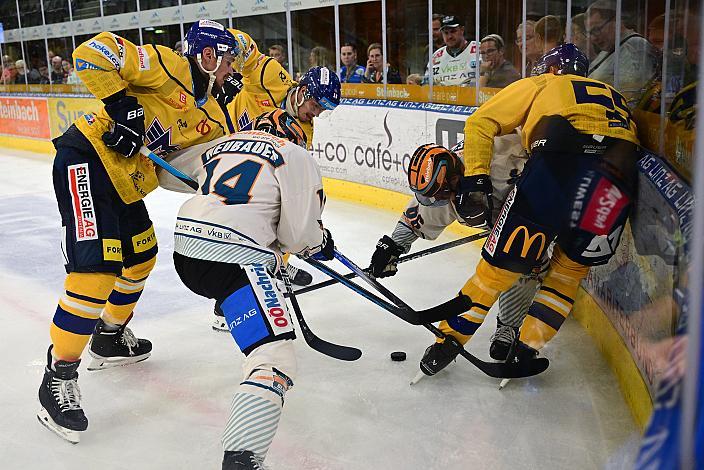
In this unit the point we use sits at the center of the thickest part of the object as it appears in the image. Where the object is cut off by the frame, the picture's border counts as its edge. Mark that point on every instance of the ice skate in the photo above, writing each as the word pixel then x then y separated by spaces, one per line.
pixel 60 400
pixel 502 340
pixel 438 355
pixel 116 348
pixel 298 276
pixel 242 460
pixel 219 321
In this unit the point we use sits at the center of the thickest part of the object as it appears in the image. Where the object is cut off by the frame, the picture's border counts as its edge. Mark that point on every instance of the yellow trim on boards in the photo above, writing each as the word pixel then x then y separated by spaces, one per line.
pixel 586 311
pixel 29 145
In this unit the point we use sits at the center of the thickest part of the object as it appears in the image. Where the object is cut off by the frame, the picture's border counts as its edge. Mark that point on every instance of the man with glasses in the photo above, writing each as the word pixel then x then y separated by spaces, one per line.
pixel 495 70
pixel 455 63
pixel 637 62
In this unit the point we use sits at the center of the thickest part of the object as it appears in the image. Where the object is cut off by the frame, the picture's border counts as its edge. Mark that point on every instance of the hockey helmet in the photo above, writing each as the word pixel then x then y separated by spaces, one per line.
pixel 323 86
pixel 567 58
pixel 281 124
pixel 207 33
pixel 430 171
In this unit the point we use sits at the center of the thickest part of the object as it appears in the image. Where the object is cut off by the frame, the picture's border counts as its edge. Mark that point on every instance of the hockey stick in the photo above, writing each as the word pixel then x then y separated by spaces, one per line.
pixel 492 369
pixel 343 353
pixel 403 259
pixel 169 167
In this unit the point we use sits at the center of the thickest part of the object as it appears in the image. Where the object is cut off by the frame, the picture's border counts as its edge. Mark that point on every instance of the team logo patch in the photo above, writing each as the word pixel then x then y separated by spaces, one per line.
pixel 85 65
pixel 144 241
pixel 265 103
pixel 112 249
pixel 90 118
pixel 492 241
pixel 105 51
pixel 84 219
pixel 143 58
pixel 604 207
pixel 324 76
pixel 203 127
pixel 182 97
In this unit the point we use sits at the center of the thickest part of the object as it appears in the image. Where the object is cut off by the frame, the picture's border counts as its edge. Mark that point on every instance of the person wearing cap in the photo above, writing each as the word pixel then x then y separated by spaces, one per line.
pixel 494 70
pixel 455 63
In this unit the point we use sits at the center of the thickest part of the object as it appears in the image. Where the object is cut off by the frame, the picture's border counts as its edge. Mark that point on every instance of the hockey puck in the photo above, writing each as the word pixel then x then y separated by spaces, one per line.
pixel 398 356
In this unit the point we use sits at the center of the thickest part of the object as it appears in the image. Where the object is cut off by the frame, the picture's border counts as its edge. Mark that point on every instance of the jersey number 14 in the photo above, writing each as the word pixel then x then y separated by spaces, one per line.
pixel 234 185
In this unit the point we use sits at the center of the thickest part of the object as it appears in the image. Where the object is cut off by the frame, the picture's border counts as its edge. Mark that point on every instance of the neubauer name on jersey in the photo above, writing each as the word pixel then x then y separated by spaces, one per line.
pixel 257 148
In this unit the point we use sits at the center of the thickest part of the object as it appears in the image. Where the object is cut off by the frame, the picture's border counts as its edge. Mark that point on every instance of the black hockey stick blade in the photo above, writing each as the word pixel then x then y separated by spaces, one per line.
pixel 513 370
pixel 336 351
pixel 402 259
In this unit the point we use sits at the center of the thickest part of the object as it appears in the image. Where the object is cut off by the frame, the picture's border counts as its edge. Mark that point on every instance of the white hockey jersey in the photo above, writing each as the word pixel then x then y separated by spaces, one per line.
pixel 458 70
pixel 260 196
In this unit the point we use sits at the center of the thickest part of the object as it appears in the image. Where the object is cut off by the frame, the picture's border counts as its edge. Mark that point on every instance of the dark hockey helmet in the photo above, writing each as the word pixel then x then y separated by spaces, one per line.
pixel 279 123
pixel 567 58
pixel 323 86
pixel 207 33
pixel 430 172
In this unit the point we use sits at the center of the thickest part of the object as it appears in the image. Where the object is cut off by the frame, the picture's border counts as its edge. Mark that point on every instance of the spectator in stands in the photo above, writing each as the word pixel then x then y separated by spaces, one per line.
pixel 548 33
pixel 22 77
pixel 320 57
pixel 533 52
pixel 579 36
pixel 495 70
pixel 58 76
pixel 71 76
pixel 43 75
pixel 376 64
pixel 414 79
pixel 454 64
pixel 178 47
pixel 9 72
pixel 637 61
pixel 277 52
pixel 351 71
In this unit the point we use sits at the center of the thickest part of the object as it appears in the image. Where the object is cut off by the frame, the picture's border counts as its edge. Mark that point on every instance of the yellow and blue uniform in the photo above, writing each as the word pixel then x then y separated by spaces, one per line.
pixel 576 189
pixel 109 242
pixel 266 84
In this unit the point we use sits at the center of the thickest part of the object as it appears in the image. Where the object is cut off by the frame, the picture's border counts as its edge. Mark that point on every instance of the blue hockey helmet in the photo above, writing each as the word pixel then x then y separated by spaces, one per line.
pixel 323 86
pixel 567 58
pixel 207 33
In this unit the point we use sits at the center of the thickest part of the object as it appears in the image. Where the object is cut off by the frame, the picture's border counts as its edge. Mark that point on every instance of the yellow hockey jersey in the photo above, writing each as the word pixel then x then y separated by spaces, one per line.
pixel 266 84
pixel 592 107
pixel 177 112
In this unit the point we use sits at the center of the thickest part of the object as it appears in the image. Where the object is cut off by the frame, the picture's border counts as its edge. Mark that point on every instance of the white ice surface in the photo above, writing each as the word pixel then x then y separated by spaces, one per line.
pixel 169 411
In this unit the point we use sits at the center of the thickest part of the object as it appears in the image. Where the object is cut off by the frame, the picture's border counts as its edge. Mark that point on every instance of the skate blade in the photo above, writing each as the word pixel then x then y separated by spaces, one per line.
pixel 100 363
pixel 74 437
pixel 419 376
pixel 503 383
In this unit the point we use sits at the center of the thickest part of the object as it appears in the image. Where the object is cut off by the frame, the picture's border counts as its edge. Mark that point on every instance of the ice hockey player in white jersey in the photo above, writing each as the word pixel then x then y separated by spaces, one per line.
pixel 261 195
pixel 428 222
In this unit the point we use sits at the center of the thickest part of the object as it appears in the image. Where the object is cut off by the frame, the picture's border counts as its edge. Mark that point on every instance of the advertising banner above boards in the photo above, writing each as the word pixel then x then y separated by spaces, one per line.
pixel 24 117
pixel 371 141
pixel 461 95
pixel 213 10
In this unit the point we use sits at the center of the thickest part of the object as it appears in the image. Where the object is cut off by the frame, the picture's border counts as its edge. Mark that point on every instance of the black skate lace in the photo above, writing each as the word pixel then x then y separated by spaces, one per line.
pixel 128 339
pixel 504 334
pixel 67 394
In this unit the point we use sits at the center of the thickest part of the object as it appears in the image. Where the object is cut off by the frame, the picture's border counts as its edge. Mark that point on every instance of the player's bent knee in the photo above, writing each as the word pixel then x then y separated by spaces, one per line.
pixel 141 270
pixel 279 356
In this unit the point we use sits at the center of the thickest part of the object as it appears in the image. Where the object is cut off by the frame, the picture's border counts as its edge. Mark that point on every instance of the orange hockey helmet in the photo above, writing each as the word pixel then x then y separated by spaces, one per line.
pixel 430 172
pixel 279 123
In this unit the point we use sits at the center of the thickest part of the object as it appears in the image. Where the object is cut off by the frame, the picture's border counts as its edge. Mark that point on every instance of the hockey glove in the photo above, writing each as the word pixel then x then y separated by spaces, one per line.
pixel 127 135
pixel 473 200
pixel 327 252
pixel 385 258
pixel 229 89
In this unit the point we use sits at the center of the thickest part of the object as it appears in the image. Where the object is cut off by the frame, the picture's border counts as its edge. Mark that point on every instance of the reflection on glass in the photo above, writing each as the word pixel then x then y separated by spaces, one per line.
pixel 168 35
pixel 116 7
pixel 8 13
pixel 313 36
pixel 360 25
pixel 55 11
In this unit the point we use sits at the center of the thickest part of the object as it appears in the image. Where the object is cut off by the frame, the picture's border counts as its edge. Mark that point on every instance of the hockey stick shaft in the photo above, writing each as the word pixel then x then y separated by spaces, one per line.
pixel 181 176
pixel 403 259
pixel 343 353
pixel 496 370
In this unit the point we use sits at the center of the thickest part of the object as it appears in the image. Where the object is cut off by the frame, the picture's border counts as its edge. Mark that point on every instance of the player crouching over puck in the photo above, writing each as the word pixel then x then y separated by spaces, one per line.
pixel 261 195
pixel 577 190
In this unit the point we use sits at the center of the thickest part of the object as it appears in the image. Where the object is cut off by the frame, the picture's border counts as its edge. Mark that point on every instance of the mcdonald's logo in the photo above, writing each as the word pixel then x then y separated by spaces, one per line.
pixel 528 240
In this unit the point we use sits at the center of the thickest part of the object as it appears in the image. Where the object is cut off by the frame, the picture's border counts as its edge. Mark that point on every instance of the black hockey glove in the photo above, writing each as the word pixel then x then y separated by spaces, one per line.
pixel 385 258
pixel 327 252
pixel 473 200
pixel 127 135
pixel 229 89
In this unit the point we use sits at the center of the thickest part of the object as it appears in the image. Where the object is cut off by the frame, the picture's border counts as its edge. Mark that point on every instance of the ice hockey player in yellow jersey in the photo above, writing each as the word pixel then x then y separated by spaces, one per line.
pixel 154 97
pixel 576 190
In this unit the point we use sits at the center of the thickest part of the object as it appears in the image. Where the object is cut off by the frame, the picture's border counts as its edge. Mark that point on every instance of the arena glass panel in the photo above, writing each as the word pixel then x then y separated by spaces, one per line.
pixel 267 31
pixel 313 39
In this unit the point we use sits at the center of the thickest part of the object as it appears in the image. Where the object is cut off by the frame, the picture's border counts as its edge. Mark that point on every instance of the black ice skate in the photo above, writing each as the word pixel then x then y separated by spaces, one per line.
pixel 60 399
pixel 242 460
pixel 438 355
pixel 116 348
pixel 298 276
pixel 502 340
pixel 219 321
